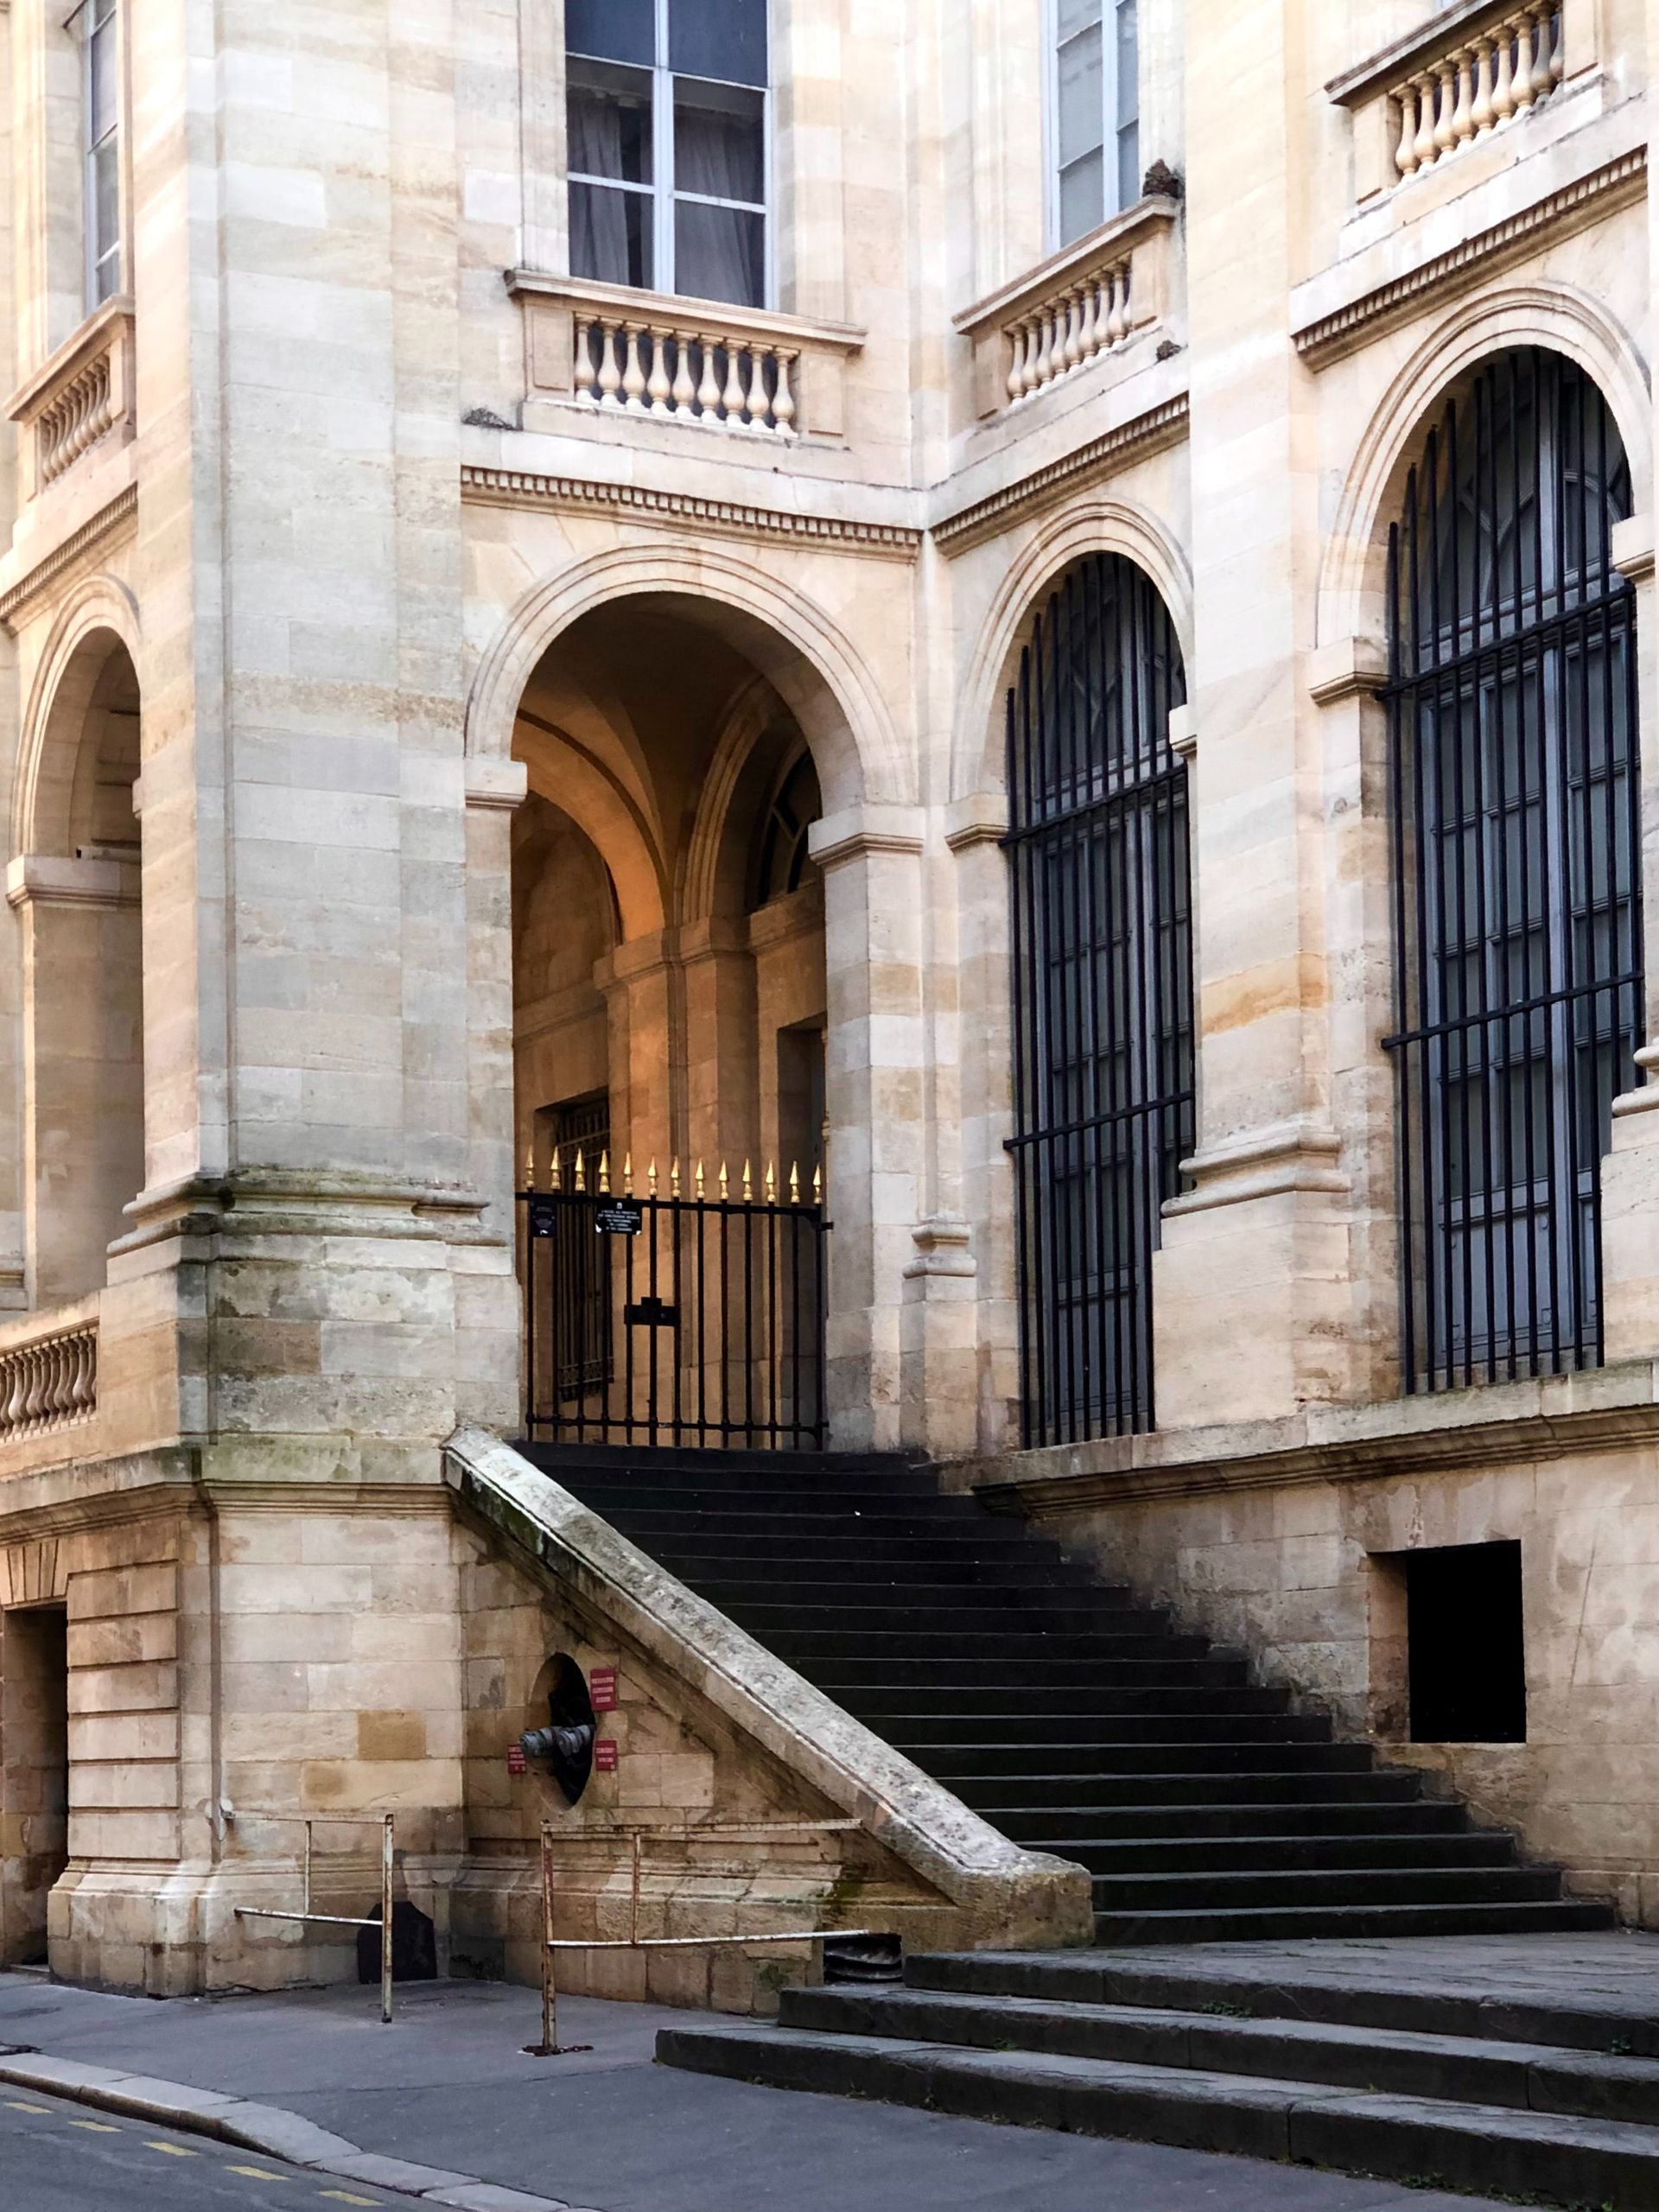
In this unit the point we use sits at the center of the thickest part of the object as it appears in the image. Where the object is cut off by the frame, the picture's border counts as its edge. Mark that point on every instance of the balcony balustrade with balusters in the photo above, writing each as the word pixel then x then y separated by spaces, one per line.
pixel 48 1378
pixel 82 398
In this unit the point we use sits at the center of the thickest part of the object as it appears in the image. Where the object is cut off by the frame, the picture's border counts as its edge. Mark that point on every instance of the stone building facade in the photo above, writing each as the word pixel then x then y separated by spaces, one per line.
pixel 464 701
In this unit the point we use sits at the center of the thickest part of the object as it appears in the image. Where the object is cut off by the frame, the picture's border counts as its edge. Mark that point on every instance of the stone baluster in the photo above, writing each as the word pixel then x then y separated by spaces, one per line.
pixel 587 374
pixel 1426 150
pixel 1072 324
pixel 1089 335
pixel 1551 28
pixel 1502 84
pixel 1526 87
pixel 1117 323
pixel 13 1373
pixel 1016 385
pixel 610 369
pixel 709 388
pixel 1405 154
pixel 85 1392
pixel 783 399
pixel 1446 137
pixel 633 376
pixel 1481 114
pixel 657 384
pixel 1462 112
pixel 35 1390
pixel 685 389
pixel 731 398
pixel 756 400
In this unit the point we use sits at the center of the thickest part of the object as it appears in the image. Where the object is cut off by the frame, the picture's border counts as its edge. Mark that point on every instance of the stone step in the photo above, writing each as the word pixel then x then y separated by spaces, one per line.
pixel 1221 1890
pixel 1027 1628
pixel 1489 2149
pixel 1163 1823
pixel 1375 1991
pixel 1233 1854
pixel 997 1702
pixel 951 1762
pixel 1538 2077
pixel 858 1601
pixel 1305 1923
pixel 837 1673
pixel 1038 1728
pixel 1160 1792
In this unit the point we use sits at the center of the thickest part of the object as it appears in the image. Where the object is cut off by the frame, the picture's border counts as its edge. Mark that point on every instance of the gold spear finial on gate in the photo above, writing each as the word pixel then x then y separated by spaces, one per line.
pixel 674 1178
pixel 722 1182
pixel 699 1181
pixel 627 1174
pixel 581 1171
pixel 605 1173
pixel 651 1177
pixel 530 1168
pixel 772 1185
pixel 553 1170
pixel 794 1182
pixel 748 1182
pixel 817 1187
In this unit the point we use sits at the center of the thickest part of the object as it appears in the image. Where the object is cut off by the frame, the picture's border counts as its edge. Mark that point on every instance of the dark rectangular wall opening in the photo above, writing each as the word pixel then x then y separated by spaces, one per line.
pixel 1466 1648
pixel 34 1774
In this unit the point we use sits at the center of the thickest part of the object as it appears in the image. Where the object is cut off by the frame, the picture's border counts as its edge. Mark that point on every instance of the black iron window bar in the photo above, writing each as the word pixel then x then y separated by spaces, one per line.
pixel 1100 880
pixel 1515 799
pixel 674 1318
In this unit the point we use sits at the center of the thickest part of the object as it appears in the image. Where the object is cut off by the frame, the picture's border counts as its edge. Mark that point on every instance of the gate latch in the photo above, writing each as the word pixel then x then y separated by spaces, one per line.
pixel 650 1313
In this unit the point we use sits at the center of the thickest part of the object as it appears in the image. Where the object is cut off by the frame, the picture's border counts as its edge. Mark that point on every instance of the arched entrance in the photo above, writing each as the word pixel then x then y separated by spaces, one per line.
pixel 669 1009
pixel 1100 880
pixel 76 888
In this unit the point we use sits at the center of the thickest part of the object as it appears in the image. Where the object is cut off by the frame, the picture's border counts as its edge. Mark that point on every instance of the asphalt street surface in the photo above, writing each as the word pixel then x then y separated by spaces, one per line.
pixel 59 2157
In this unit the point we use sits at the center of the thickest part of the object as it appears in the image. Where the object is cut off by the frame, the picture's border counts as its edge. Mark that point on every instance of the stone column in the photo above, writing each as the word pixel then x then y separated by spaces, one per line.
pixel 717 1120
pixel 636 981
pixel 1629 1172
pixel 83 1063
pixel 873 921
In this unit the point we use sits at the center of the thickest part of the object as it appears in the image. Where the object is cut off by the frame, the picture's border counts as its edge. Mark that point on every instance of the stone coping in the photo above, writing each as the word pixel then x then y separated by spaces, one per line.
pixel 996 1882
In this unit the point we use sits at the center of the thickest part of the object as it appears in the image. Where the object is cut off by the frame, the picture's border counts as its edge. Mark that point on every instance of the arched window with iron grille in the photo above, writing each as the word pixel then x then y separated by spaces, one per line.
pixel 1517 911
pixel 1103 992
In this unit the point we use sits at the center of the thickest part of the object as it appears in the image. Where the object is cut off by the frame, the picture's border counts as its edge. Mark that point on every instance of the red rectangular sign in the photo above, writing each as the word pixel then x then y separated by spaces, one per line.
pixel 604 1755
pixel 517 1763
pixel 601 1688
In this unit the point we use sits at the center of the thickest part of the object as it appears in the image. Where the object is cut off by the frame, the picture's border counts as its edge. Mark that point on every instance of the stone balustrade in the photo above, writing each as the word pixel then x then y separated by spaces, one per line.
pixel 1074 309
pixel 1475 72
pixel 81 398
pixel 612 352
pixel 50 1381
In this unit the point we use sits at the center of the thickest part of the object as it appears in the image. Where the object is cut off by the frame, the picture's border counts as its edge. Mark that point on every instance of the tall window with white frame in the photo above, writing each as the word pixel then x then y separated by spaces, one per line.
pixel 1095 108
pixel 669 117
pixel 96 24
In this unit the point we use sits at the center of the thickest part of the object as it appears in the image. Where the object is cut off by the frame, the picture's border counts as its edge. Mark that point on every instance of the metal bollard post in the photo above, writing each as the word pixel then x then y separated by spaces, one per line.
pixel 634 1912
pixel 549 1998
pixel 385 1922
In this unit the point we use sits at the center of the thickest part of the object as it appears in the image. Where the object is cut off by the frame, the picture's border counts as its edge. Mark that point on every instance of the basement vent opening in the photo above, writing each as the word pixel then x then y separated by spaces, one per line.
pixel 1465 1649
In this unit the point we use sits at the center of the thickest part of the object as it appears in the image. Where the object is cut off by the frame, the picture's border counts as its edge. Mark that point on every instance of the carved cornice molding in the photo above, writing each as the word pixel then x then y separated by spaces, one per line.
pixel 67 551
pixel 1163 425
pixel 516 487
pixel 1559 213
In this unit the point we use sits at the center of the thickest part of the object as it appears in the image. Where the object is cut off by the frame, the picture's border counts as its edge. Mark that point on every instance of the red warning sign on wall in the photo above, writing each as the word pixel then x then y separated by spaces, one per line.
pixel 517 1763
pixel 601 1687
pixel 605 1756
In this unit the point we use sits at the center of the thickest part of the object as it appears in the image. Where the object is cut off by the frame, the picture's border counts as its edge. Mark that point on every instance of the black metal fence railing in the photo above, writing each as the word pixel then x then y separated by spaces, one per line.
pixel 671 1321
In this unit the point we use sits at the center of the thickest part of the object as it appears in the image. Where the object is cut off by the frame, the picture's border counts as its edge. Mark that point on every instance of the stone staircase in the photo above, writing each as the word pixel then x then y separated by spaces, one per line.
pixel 1074 1720
pixel 1399 2061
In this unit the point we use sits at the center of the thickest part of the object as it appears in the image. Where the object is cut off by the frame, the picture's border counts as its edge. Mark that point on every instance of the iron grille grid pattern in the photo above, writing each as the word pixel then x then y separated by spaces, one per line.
pixel 1517 914
pixel 1102 992
pixel 684 1322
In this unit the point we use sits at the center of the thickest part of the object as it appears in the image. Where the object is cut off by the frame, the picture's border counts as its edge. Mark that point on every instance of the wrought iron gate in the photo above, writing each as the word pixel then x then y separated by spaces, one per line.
pixel 1103 992
pixel 669 1320
pixel 1518 924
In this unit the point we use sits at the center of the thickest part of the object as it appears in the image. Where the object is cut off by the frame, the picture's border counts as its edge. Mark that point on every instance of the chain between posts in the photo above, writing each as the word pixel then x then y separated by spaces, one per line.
pixel 549 2046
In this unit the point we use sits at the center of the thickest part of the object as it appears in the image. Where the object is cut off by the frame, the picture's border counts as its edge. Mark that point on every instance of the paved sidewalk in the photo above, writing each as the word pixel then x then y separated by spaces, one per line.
pixel 448 2085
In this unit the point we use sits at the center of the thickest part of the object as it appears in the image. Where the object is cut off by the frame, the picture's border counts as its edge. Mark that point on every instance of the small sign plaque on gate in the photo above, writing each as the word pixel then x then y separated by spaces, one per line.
pixel 605 1756
pixel 620 1217
pixel 601 1688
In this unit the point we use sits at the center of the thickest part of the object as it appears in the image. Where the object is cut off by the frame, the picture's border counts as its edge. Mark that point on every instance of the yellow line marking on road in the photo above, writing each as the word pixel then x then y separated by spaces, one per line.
pixel 257 2173
pixel 344 2196
pixel 96 2126
pixel 173 2149
pixel 17 2105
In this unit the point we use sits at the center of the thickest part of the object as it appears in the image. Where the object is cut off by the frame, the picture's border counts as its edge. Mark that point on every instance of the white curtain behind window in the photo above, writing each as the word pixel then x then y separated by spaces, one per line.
pixel 718 247
pixel 599 234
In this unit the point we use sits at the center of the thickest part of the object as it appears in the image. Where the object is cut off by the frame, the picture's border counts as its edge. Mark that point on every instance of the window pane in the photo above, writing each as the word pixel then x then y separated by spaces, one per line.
pixel 719 38
pixel 720 142
pixel 614 30
pixel 1129 64
pixel 720 253
pixel 1081 115
pixel 101 119
pixel 1075 15
pixel 608 113
pixel 610 236
pixel 1128 165
pixel 1082 201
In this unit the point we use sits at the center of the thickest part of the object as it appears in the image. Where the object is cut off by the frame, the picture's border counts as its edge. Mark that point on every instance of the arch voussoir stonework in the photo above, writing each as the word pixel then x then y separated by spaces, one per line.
pixel 100 605
pixel 815 668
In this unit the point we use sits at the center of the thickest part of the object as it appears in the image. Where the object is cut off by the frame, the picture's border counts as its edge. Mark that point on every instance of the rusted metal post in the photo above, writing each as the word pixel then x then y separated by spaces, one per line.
pixel 308 1866
pixel 633 1913
pixel 385 1921
pixel 550 1997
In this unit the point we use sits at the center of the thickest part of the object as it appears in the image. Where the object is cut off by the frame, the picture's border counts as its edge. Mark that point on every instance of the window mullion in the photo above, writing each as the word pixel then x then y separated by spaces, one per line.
pixel 661 107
